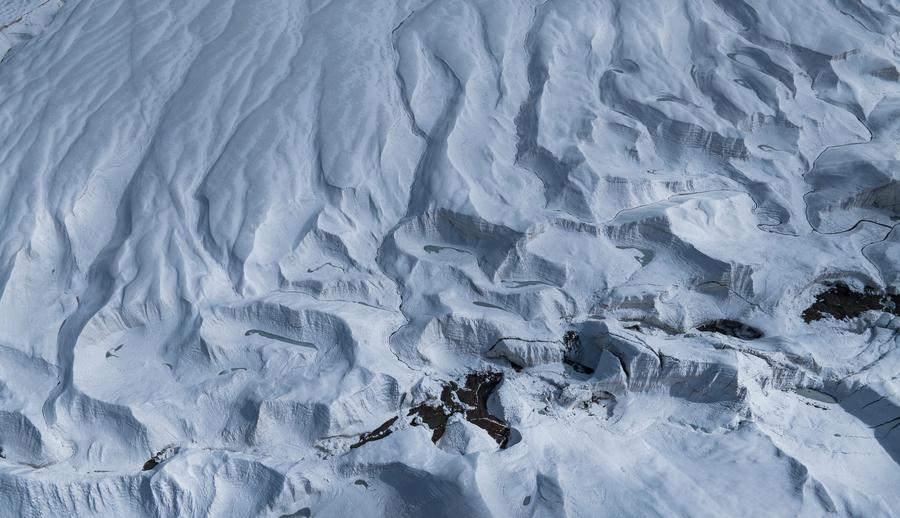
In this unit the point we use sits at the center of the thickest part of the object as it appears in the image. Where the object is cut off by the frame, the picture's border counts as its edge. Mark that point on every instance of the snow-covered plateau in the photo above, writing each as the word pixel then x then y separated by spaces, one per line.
pixel 403 258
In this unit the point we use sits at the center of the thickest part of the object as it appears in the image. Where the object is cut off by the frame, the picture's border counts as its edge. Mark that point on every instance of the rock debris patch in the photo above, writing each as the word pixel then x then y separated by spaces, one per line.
pixel 842 302
pixel 468 400
pixel 731 328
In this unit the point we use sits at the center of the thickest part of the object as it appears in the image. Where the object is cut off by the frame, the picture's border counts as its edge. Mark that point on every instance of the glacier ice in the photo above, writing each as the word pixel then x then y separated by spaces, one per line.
pixel 253 254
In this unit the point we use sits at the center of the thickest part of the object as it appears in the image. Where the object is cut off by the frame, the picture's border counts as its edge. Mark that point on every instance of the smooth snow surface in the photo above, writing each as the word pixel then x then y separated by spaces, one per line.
pixel 237 235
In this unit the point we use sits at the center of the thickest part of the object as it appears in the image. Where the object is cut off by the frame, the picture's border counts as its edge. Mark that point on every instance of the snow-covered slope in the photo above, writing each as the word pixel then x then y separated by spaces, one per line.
pixel 449 258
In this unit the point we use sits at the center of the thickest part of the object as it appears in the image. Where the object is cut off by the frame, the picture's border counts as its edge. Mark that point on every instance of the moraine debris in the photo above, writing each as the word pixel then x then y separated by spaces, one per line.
pixel 842 303
pixel 731 328
pixel 379 433
pixel 161 455
pixel 469 400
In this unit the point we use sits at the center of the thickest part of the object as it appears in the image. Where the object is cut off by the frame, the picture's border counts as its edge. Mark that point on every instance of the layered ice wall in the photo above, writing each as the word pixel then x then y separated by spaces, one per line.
pixel 449 257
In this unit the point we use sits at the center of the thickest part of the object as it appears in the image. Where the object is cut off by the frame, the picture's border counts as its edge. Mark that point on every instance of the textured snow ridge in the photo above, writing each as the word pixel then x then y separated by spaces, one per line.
pixel 21 20
pixel 449 258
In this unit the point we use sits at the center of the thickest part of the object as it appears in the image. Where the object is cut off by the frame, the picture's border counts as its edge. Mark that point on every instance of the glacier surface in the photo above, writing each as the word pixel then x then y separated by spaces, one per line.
pixel 299 258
